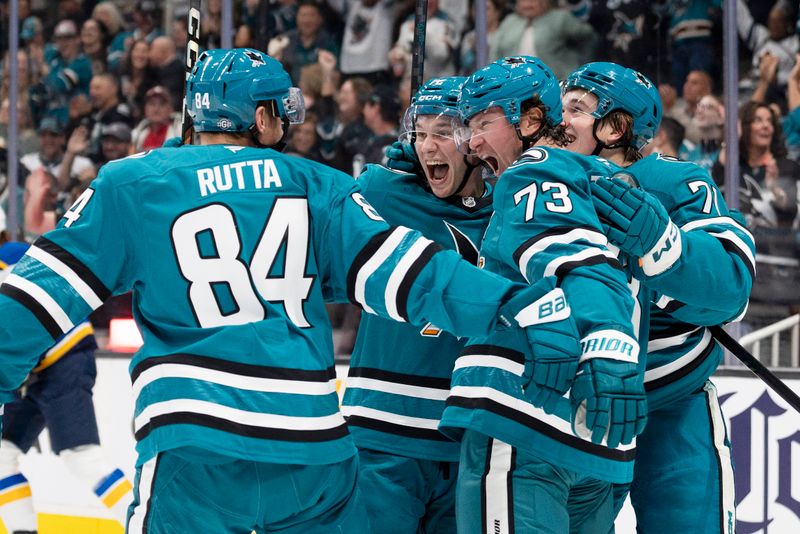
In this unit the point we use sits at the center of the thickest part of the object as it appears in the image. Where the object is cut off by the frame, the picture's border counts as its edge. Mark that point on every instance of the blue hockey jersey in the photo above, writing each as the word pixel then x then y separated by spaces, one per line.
pixel 708 285
pixel 399 373
pixel 231 252
pixel 544 224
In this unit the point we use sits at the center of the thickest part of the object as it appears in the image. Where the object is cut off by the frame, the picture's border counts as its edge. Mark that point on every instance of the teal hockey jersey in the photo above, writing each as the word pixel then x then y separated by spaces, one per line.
pixel 399 373
pixel 544 224
pixel 709 284
pixel 230 252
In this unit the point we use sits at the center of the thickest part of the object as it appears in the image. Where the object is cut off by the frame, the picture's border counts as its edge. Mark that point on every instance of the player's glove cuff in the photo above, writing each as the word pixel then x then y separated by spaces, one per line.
pixel 664 254
pixel 402 157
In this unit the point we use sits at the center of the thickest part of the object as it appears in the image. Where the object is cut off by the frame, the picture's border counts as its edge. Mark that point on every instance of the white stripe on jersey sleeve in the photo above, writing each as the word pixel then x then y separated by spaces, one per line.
pixel 714 221
pixel 730 236
pixel 596 238
pixel 487 360
pixel 399 274
pixel 70 276
pixel 42 297
pixel 371 265
pixel 553 266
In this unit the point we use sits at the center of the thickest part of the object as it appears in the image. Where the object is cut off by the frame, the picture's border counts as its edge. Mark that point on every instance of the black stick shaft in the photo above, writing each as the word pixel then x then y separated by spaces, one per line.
pixel 418 46
pixel 192 51
pixel 757 367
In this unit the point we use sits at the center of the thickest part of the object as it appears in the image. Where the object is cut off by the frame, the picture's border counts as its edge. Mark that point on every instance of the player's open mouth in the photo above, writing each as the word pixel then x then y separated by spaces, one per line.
pixel 492 162
pixel 438 171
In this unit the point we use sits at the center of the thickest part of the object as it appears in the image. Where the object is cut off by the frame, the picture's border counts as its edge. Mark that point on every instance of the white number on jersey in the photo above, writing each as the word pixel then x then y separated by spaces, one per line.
pixel 288 224
pixel 559 198
pixel 74 212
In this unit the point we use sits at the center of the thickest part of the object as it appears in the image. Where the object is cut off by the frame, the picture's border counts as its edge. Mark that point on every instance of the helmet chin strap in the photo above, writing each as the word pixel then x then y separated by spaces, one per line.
pixel 528 140
pixel 465 178
pixel 599 145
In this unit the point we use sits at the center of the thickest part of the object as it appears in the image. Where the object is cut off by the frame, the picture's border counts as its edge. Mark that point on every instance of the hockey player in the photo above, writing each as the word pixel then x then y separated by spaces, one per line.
pixel 231 249
pixel 58 395
pixel 687 248
pixel 521 461
pixel 399 373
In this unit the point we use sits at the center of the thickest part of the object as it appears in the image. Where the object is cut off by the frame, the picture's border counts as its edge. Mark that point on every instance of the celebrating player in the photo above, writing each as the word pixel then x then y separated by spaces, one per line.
pixel 521 460
pixel 698 260
pixel 400 373
pixel 231 249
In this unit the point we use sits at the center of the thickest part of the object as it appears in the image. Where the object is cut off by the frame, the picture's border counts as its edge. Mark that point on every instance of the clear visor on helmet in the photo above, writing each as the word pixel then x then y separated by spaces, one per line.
pixel 481 126
pixel 579 101
pixel 294 106
pixel 439 127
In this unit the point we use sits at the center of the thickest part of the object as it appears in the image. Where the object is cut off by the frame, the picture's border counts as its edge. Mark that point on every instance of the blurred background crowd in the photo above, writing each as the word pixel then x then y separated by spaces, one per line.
pixel 100 80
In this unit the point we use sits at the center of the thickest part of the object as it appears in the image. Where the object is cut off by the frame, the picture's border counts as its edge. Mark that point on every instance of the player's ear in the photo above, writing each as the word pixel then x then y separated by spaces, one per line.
pixel 530 121
pixel 264 119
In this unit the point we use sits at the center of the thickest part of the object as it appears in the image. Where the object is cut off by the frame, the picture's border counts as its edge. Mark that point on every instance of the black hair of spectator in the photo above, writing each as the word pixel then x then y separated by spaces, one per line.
pixel 747 114
pixel 674 131
pixel 105 33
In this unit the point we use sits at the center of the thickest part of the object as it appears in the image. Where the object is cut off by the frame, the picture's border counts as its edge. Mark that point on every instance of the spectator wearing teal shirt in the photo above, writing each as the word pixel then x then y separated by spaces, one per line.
pixel 67 71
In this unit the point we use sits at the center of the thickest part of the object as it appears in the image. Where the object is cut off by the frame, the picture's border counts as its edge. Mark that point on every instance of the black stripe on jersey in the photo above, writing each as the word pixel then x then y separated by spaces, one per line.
pixel 363 257
pixel 408 280
pixel 83 272
pixel 400 378
pixel 683 371
pixel 673 305
pixel 675 329
pixel 39 311
pixel 396 429
pixel 494 350
pixel 243 369
pixel 733 248
pixel 566 267
pixel 250 431
pixel 558 230
pixel 464 244
pixel 542 428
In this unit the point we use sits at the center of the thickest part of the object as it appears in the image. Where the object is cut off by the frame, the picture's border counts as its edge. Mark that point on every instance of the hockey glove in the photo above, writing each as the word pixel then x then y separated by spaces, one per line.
pixel 402 157
pixel 608 398
pixel 636 222
pixel 543 311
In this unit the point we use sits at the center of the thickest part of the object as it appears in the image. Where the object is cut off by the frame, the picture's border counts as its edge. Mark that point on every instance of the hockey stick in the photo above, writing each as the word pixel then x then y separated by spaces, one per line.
pixel 192 51
pixel 758 368
pixel 418 46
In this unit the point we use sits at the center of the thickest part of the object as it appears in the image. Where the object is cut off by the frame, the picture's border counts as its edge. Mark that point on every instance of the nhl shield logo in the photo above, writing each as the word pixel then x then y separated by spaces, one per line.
pixel 468 201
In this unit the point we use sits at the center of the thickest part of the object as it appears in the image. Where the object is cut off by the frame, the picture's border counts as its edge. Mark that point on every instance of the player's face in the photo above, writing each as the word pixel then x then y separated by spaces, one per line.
pixel 577 104
pixel 436 149
pixel 494 140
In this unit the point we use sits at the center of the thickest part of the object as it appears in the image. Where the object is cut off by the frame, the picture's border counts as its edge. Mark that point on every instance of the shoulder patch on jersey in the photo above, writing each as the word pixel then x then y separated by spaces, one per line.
pixel 535 155
pixel 664 157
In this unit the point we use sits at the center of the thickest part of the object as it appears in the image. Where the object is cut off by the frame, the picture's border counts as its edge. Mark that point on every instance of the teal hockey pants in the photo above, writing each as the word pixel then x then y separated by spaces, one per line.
pixel 408 495
pixel 502 490
pixel 173 495
pixel 683 476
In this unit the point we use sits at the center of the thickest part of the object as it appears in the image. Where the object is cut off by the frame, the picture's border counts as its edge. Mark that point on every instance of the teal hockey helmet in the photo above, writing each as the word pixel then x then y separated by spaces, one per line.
pixel 226 85
pixel 509 82
pixel 437 97
pixel 620 88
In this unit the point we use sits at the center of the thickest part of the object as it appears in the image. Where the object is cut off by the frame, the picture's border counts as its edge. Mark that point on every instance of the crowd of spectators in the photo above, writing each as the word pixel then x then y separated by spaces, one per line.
pixel 98 80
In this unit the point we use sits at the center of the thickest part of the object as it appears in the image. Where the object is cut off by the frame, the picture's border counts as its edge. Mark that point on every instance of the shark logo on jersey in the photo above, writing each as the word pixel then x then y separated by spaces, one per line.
pixel 464 244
